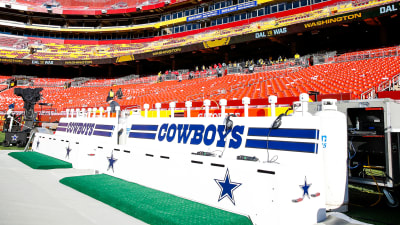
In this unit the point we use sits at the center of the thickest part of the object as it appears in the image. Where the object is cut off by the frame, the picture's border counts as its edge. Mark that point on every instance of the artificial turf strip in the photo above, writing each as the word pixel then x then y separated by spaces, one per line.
pixel 149 205
pixel 36 160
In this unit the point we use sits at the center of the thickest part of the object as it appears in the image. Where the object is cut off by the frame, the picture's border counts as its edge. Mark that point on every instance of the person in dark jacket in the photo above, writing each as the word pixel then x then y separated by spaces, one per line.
pixel 119 93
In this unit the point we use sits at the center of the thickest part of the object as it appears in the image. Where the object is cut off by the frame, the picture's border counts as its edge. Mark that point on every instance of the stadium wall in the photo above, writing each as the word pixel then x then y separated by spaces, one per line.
pixel 389 94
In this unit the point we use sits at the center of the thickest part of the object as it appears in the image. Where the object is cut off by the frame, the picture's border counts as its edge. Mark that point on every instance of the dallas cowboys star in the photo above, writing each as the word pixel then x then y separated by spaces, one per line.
pixel 111 161
pixel 227 187
pixel 68 151
pixel 305 188
pixel 15 137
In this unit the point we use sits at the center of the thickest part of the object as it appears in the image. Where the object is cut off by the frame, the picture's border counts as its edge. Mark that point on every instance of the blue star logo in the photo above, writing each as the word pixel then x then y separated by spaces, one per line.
pixel 305 188
pixel 227 187
pixel 15 137
pixel 68 151
pixel 111 161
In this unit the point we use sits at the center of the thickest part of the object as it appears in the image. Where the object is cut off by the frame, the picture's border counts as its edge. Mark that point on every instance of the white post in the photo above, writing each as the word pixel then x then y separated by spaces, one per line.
pixel 246 102
pixel 146 110
pixel 188 105
pixel 78 113
pixel 172 107
pixel 67 111
pixel 117 109
pixel 207 104
pixel 273 100
pixel 94 112
pixel 72 113
pixel 89 112
pixel 223 103
pixel 304 100
pixel 101 111
pixel 108 109
pixel 158 107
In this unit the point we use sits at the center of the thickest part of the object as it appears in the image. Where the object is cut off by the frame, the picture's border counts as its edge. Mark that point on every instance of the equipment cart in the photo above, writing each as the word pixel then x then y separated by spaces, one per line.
pixel 373 132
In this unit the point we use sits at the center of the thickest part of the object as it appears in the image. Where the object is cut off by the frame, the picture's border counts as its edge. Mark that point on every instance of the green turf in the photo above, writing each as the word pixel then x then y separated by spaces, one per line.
pixel 149 205
pixel 36 160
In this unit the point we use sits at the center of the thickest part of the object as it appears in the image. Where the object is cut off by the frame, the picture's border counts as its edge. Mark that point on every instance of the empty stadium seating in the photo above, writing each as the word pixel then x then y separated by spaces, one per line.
pixel 353 73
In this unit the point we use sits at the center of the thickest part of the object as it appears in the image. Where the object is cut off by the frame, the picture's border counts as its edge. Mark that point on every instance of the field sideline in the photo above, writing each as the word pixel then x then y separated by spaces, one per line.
pixel 359 207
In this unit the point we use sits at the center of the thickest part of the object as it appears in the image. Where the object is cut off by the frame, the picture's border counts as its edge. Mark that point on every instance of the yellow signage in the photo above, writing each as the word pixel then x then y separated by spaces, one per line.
pixel 333 20
pixel 78 62
pixel 166 52
pixel 216 43
pixel 125 58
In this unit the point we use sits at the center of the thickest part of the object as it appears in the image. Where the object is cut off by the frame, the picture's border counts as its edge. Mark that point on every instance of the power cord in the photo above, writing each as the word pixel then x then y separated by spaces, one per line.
pixel 377 186
pixel 228 127
pixel 275 125
pixel 352 156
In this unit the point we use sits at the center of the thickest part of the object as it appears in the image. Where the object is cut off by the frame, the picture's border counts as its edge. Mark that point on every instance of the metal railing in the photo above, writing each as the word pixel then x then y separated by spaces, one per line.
pixel 290 63
pixel 368 94
pixel 369 54
pixel 324 58
pixel 388 85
